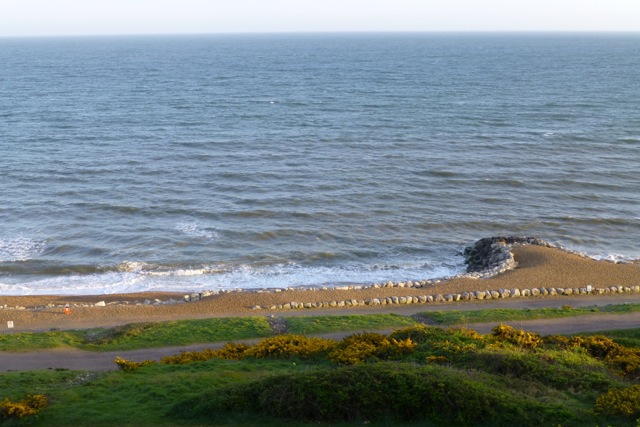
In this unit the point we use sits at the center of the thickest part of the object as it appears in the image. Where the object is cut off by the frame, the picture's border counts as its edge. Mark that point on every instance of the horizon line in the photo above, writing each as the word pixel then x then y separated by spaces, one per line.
pixel 317 32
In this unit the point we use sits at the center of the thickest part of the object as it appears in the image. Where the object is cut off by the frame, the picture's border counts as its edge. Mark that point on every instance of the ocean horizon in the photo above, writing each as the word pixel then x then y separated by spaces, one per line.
pixel 212 162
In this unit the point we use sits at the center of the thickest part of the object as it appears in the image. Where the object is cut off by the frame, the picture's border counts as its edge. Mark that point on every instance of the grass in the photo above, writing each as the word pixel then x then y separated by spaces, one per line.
pixel 326 324
pixel 496 380
pixel 457 317
pixel 141 398
pixel 142 335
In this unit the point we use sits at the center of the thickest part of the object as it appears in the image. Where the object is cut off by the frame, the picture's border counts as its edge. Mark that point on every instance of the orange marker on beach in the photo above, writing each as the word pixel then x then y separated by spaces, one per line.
pixel 67 310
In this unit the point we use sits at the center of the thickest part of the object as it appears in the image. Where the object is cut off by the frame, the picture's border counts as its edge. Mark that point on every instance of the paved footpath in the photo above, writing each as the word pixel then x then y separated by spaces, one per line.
pixel 103 361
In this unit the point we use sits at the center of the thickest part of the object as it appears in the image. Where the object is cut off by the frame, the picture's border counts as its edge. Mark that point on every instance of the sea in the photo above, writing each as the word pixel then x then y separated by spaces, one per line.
pixel 251 161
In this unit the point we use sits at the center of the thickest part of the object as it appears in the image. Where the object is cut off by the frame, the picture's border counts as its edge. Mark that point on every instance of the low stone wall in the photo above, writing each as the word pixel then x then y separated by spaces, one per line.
pixel 444 298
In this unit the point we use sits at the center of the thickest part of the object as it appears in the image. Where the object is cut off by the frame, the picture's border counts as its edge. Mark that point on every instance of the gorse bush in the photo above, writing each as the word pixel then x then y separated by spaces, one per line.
pixel 504 333
pixel 428 334
pixel 32 404
pixel 436 359
pixel 128 365
pixel 351 350
pixel 597 346
pixel 230 351
pixel 285 346
pixel 625 402
pixel 185 357
pixel 432 342
pixel 279 347
pixel 357 348
pixel 623 360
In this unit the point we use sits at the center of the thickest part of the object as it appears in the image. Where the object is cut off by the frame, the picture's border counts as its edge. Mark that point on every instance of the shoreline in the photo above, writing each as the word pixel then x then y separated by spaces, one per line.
pixel 536 267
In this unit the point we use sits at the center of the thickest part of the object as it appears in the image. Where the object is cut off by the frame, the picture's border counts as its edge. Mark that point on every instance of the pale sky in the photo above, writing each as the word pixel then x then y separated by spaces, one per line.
pixel 100 17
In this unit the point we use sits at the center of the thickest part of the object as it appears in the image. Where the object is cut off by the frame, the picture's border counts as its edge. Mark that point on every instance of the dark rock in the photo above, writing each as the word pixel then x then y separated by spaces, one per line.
pixel 483 254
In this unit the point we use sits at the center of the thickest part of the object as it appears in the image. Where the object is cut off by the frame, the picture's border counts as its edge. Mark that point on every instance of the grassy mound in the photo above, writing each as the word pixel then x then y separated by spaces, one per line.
pixel 397 391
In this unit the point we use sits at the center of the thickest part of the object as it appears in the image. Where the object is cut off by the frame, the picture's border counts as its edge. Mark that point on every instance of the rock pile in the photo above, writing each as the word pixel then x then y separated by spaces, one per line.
pixel 493 254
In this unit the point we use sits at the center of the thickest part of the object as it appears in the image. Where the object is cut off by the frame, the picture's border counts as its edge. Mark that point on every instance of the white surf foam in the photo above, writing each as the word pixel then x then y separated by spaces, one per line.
pixel 617 258
pixel 135 278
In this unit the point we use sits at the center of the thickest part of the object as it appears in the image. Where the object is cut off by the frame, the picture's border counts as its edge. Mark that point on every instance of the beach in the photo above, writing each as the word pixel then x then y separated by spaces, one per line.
pixel 537 267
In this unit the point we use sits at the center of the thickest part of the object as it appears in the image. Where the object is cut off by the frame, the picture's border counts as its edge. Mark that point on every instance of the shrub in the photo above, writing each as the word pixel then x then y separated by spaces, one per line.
pixel 285 346
pixel 597 346
pixel 230 351
pixel 30 405
pixel 129 365
pixel 436 359
pixel 357 348
pixel 469 333
pixel 624 360
pixel 185 357
pixel 505 333
pixel 557 341
pixel 625 402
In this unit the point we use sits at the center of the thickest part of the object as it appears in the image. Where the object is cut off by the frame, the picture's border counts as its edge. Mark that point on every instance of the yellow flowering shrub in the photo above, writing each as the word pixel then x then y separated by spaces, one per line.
pixel 30 405
pixel 436 359
pixel 289 345
pixel 356 349
pixel 625 402
pixel 597 346
pixel 185 357
pixel 625 360
pixel 470 333
pixel 230 351
pixel 129 365
pixel 519 337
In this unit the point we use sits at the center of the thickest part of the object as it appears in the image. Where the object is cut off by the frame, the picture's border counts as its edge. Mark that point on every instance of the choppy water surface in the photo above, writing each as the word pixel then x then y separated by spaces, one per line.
pixel 213 162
